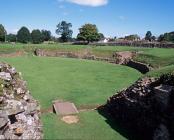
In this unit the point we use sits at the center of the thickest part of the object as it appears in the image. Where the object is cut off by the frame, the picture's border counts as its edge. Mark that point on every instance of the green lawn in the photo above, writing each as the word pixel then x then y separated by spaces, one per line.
pixel 80 81
pixel 156 57
pixel 86 83
pixel 92 126
pixel 161 71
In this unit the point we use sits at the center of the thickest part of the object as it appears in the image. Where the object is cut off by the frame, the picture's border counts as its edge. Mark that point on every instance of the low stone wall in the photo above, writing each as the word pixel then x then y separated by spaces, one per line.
pixel 122 58
pixel 143 68
pixel 145 109
pixel 85 54
pixel 136 44
pixel 19 112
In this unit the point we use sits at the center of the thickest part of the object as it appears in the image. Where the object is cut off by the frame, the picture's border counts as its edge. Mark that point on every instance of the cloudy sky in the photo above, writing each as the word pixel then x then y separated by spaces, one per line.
pixel 113 17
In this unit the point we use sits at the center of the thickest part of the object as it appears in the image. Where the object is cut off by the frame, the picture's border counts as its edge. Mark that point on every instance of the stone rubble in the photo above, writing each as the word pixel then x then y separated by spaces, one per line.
pixel 146 108
pixel 19 112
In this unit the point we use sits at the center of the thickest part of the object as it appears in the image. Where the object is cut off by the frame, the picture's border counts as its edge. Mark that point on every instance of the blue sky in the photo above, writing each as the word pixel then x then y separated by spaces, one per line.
pixel 112 17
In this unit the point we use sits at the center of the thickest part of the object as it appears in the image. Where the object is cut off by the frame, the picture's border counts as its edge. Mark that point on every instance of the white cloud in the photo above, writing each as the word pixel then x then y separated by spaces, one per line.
pixel 93 3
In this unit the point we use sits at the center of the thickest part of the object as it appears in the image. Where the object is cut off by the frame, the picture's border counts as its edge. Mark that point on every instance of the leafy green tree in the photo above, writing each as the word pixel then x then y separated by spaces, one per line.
pixel 54 39
pixel 168 37
pixel 24 35
pixel 161 38
pixel 64 29
pixel 101 36
pixel 46 35
pixel 153 38
pixel 148 36
pixel 11 38
pixel 89 33
pixel 132 37
pixel 2 33
pixel 37 36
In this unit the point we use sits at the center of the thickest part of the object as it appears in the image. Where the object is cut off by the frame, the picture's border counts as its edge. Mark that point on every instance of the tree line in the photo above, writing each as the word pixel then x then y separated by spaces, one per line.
pixel 87 33
pixel 24 35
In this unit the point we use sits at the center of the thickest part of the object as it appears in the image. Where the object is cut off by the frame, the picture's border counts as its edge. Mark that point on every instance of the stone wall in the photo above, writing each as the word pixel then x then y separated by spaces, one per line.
pixel 19 112
pixel 58 53
pixel 145 109
pixel 122 58
pixel 143 68
pixel 136 44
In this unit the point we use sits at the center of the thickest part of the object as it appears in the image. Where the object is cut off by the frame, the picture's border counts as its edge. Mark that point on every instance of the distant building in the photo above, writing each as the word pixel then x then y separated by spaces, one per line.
pixel 105 40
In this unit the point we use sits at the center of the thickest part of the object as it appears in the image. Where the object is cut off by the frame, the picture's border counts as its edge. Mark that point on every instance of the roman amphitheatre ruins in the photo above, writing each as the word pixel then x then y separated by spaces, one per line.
pixel 81 90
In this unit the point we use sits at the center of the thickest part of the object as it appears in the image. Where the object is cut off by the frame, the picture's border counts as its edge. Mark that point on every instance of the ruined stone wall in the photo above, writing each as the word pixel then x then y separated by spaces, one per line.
pixel 136 44
pixel 85 54
pixel 144 68
pixel 19 112
pixel 145 109
pixel 122 58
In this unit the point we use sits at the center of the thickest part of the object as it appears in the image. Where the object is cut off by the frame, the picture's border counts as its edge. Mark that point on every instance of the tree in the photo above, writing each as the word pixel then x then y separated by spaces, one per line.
pixel 64 29
pixel 24 35
pixel 161 38
pixel 132 37
pixel 89 33
pixel 168 37
pixel 148 36
pixel 54 39
pixel 101 36
pixel 153 38
pixel 46 35
pixel 36 36
pixel 11 38
pixel 2 33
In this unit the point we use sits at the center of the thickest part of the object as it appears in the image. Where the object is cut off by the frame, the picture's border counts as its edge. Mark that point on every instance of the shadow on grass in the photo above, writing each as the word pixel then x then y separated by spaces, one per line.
pixel 114 124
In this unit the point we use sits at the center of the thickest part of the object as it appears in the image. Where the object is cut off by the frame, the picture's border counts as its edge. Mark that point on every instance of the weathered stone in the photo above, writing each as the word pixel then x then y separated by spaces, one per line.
pixel 2 137
pixel 14 107
pixel 27 97
pixel 12 70
pixel 19 112
pixel 162 96
pixel 21 117
pixel 31 107
pixel 145 109
pixel 3 65
pixel 5 76
pixel 3 121
pixel 1 99
pixel 18 131
pixel 163 89
pixel 161 133
pixel 20 91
